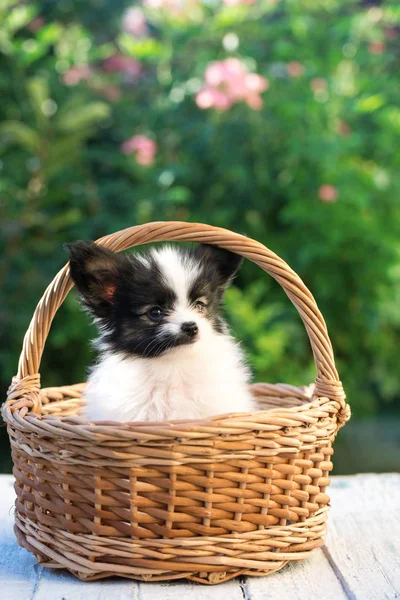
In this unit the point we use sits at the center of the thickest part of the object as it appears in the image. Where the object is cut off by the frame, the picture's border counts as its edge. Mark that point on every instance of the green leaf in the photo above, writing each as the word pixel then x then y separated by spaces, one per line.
pixel 230 16
pixel 19 17
pixel 28 51
pixel 83 117
pixel 49 33
pixel 141 49
pixel 38 92
pixel 178 195
pixel 370 103
pixel 64 152
pixel 22 134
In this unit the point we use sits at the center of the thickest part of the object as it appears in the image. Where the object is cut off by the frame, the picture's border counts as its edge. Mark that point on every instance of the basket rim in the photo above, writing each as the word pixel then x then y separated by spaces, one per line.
pixel 308 414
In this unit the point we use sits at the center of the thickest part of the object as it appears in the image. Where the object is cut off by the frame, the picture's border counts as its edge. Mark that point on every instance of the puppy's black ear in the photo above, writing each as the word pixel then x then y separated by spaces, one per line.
pixel 95 271
pixel 224 262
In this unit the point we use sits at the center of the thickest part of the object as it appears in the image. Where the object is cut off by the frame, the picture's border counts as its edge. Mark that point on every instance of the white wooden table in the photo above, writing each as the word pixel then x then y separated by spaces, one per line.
pixel 361 559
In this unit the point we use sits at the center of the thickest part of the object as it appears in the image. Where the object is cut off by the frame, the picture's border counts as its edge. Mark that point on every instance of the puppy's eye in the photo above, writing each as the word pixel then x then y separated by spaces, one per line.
pixel 155 313
pixel 200 305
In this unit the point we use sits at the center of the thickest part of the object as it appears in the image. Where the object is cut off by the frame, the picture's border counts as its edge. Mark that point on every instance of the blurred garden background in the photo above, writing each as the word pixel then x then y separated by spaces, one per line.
pixel 275 118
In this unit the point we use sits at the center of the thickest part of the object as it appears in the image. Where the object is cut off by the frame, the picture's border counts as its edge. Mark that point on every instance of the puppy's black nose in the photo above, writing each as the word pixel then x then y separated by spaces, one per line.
pixel 190 328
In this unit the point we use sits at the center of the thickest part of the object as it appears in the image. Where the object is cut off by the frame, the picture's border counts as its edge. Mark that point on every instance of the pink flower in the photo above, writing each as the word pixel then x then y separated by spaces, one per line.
pixel 237 2
pixel 76 74
pixel 229 81
pixel 295 68
pixel 144 147
pixel 120 63
pixel 210 97
pixel 318 84
pixel 254 101
pixel 255 83
pixel 328 193
pixel 134 22
pixel 376 47
pixel 215 73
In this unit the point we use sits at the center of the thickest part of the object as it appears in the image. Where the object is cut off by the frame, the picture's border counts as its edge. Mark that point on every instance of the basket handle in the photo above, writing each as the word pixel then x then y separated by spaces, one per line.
pixel 327 381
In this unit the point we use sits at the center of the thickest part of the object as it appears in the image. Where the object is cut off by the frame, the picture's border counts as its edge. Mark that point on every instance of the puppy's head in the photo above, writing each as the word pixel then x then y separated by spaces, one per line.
pixel 148 304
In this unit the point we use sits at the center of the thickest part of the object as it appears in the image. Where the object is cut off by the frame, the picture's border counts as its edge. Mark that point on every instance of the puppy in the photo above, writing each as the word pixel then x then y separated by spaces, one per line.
pixel 165 350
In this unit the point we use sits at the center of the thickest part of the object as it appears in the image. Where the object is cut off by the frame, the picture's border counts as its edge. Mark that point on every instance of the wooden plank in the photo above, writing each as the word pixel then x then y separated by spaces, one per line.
pixel 60 585
pixel 19 572
pixel 310 579
pixel 362 553
pixel 182 590
pixel 363 543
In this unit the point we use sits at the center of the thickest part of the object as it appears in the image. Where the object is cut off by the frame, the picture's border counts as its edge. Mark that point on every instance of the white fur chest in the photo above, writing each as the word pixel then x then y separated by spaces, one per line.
pixel 192 382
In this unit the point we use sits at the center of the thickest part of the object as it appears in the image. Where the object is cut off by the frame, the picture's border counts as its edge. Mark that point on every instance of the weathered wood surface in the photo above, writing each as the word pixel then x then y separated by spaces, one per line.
pixel 361 559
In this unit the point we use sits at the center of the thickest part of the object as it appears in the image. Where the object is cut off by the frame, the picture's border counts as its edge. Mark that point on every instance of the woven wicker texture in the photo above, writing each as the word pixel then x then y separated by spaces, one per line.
pixel 206 500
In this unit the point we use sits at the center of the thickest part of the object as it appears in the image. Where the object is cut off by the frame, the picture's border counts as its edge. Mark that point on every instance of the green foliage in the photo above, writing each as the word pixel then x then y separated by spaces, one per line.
pixel 63 175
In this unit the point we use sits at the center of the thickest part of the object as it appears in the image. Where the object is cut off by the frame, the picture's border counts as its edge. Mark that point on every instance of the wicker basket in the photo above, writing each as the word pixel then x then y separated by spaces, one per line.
pixel 202 500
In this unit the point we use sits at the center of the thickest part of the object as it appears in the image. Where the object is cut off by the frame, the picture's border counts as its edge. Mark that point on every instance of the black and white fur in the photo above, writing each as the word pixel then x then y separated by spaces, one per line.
pixel 166 352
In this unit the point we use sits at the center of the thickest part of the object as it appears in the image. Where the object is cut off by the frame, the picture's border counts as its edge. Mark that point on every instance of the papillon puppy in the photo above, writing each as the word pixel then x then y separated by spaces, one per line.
pixel 165 350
